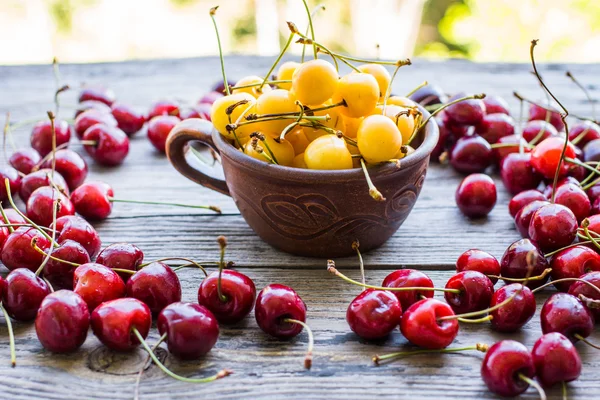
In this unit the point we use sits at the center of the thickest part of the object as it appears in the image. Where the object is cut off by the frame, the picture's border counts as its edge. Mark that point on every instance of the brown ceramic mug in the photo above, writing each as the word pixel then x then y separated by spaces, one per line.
pixel 309 212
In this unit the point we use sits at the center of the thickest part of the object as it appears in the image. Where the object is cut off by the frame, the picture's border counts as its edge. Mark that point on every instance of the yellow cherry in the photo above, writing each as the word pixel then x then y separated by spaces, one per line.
pixel 218 114
pixel 401 101
pixel 298 139
pixel 283 151
pixel 378 139
pixel 254 90
pixel 336 121
pixel 400 154
pixel 299 161
pixel 314 82
pixel 275 102
pixel 381 75
pixel 352 125
pixel 328 152
pixel 360 92
pixel 285 73
pixel 405 123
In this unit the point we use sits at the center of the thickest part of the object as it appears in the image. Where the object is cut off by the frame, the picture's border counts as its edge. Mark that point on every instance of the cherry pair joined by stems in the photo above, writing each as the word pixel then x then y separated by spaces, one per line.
pixel 41 178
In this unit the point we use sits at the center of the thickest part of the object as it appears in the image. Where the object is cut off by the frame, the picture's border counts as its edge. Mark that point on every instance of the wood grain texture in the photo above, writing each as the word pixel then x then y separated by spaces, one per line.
pixel 432 238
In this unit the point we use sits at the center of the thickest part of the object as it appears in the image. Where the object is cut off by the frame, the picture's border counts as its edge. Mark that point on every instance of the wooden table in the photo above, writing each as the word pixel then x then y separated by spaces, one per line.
pixel 433 236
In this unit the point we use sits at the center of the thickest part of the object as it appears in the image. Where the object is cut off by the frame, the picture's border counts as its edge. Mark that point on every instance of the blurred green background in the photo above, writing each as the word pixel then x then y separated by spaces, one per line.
pixel 34 31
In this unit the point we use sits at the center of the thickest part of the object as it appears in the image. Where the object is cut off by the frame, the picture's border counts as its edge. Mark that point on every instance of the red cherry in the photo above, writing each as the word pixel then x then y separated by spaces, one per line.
pixel 17 251
pixel 60 274
pixel 552 227
pixel 428 95
pixel 502 365
pixel 539 129
pixel 564 313
pixel 517 173
pixel 591 151
pixel 523 217
pixel 38 179
pixel 41 135
pixel 236 287
pixel 443 141
pixel 97 93
pixel 514 262
pixel 112 144
pixel 121 256
pixel 476 292
pixel 90 118
pixel 128 120
pixel 40 205
pixel 495 105
pixel 219 86
pixel 466 112
pixel 495 126
pixel 502 151
pixel 156 285
pixel 573 263
pixel 201 110
pixel 408 278
pixel 62 322
pixel 545 157
pixel 480 261
pixel 71 167
pixel 595 209
pixel 211 97
pixel 24 160
pixel 14 182
pixel 92 200
pixel 556 359
pixel 471 154
pixel 567 180
pixel 164 107
pixel 476 195
pixel 574 198
pixel 514 314
pixel 192 330
pixel 421 324
pixel 96 284
pixel 276 303
pixel 538 113
pixel 522 199
pixel 588 131
pixel 581 288
pixel 594 223
pixel 76 228
pixel 23 294
pixel 91 105
pixel 113 323
pixel 12 217
pixel 159 128
pixel 373 314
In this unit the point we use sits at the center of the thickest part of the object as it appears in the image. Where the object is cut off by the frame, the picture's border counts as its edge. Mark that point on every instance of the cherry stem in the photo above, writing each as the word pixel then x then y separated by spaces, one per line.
pixel 355 247
pixel 332 270
pixel 11 337
pixel 312 14
pixel 533 383
pixel 312 29
pixel 388 90
pixel 160 203
pixel 311 341
pixel 11 228
pixel 477 320
pixel 283 50
pixel 425 83
pixel 539 277
pixel 222 244
pixel 581 136
pixel 124 271
pixel 593 170
pixel 190 261
pixel 521 112
pixel 136 393
pixel 584 340
pixel 585 223
pixel 12 203
pixel 221 374
pixel 548 255
pixel 564 390
pixel 434 113
pixel 589 185
pixel 274 82
pixel 373 191
pixel 548 108
pixel 585 92
pixel 39 250
pixel 391 356
pixel 213 11
pixel 501 145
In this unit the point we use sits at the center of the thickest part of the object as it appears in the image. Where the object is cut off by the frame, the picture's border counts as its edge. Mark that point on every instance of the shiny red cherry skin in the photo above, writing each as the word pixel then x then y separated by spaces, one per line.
pixel 556 359
pixel 40 205
pixel 60 274
pixel 506 149
pixel 421 326
pixel 96 283
pixel 567 180
pixel 24 160
pixel 90 118
pixel 201 110
pixel 523 217
pixel 552 227
pixel 541 113
pixel 274 304
pixel 574 198
pixel 538 130
pixel 517 173
pixel 41 135
pixel 594 223
pixel 581 288
pixel 75 228
pixel 156 285
pixel 586 131
pixel 211 97
pixel 41 178
pixel 522 199
pixel 466 112
pixel 128 119
pixel 428 95
pixel 495 105
pixel 408 278
pixel 480 261
pixel 514 262
pixel 573 263
pixel 191 329
pixel 476 195
pixel 545 157
pixel 112 144
pixel 17 251
pixel 71 166
pixel 23 294
pixel 591 151
pixel 62 322
pixel 495 126
pixel 476 292
pixel 97 93
pixel 4 232
pixel 164 107
pixel 513 315
pixel 471 154
pixel 121 256
pixel 239 290
pixel 445 140
pixel 92 200
pixel 91 105
pixel 502 364
pixel 159 128
pixel 12 217
pixel 113 323
pixel 14 182
pixel 374 314
pixel 564 313
pixel 595 209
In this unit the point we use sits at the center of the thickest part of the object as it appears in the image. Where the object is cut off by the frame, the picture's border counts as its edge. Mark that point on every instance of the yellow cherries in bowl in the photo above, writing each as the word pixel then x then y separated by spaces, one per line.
pixel 314 82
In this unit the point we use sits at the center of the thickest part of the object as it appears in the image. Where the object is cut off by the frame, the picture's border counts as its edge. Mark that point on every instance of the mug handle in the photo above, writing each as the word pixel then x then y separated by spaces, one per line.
pixel 185 131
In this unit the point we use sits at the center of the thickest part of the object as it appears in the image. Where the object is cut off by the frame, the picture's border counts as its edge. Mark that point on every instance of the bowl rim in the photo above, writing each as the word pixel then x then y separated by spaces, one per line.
pixel 312 175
